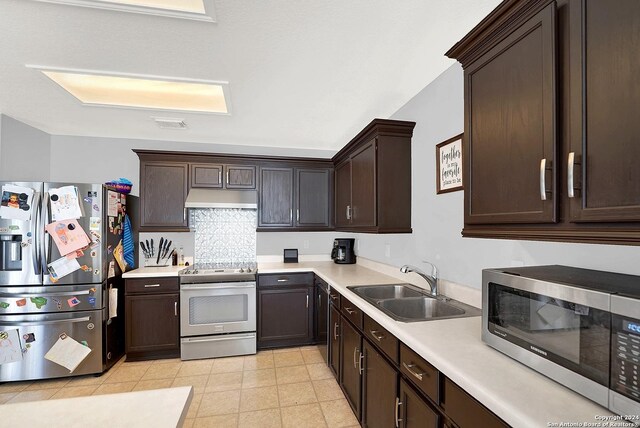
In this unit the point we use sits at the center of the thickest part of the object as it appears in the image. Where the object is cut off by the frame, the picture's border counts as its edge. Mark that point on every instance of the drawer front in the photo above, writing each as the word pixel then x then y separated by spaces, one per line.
pixel 151 285
pixel 351 312
pixel 384 340
pixel 422 374
pixel 285 279
pixel 465 411
pixel 334 298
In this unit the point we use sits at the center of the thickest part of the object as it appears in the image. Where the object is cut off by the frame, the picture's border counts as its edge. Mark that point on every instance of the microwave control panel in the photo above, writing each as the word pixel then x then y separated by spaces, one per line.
pixel 625 364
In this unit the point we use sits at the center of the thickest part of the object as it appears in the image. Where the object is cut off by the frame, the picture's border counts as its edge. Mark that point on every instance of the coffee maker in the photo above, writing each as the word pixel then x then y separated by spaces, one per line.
pixel 343 251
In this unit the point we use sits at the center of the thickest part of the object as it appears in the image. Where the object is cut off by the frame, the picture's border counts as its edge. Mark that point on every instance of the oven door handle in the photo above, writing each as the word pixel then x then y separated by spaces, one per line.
pixel 215 287
pixel 219 339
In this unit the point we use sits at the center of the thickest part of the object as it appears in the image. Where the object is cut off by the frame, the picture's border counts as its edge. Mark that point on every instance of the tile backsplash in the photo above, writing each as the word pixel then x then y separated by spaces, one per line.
pixel 224 235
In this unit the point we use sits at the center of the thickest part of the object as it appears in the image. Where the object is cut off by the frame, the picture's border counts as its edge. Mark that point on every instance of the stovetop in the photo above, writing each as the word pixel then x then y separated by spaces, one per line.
pixel 218 272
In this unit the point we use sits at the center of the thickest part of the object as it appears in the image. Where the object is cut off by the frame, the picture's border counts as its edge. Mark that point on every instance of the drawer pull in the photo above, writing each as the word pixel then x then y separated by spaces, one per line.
pixel 333 297
pixel 417 375
pixel 283 280
pixel 375 335
pixel 151 285
pixel 349 311
pixel 398 404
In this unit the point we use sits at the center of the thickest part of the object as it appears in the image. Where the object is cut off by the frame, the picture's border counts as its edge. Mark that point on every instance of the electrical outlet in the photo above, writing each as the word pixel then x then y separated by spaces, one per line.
pixel 305 243
pixel 387 250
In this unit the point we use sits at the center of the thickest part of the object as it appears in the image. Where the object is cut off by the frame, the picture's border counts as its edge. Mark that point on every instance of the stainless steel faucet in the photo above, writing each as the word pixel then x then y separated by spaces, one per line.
pixel 432 279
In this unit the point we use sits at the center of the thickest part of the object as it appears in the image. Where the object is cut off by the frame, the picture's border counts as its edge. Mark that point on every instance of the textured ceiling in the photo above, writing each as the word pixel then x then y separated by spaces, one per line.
pixel 304 73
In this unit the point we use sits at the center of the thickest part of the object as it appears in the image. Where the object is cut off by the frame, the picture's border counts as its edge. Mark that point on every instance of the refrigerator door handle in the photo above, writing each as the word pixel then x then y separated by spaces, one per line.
pixel 36 323
pixel 46 239
pixel 56 294
pixel 35 246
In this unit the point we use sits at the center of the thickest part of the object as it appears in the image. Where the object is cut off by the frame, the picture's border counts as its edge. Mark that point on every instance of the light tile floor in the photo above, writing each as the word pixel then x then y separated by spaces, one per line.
pixel 289 387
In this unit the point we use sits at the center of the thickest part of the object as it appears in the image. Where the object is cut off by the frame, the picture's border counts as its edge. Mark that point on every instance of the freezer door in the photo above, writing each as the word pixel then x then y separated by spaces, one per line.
pixel 38 333
pixel 19 241
pixel 91 201
pixel 59 298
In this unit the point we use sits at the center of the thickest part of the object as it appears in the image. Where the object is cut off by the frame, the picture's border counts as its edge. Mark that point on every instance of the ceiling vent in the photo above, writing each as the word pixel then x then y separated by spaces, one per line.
pixel 170 123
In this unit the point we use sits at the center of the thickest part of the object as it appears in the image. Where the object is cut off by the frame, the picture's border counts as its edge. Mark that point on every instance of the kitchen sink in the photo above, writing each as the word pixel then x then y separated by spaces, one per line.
pixel 408 303
pixel 379 292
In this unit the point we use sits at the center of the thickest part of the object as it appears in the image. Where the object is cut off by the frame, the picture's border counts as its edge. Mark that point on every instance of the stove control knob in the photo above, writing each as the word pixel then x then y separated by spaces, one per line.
pixel 241 270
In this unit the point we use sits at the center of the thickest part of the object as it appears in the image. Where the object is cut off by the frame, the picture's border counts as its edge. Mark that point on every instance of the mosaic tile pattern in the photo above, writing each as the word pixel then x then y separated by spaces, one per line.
pixel 224 236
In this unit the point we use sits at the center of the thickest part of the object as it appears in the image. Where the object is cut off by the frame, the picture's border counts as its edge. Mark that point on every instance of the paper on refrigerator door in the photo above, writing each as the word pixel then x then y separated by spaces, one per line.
pixel 62 267
pixel 67 352
pixel 113 302
pixel 10 349
pixel 68 236
pixel 16 202
pixel 64 203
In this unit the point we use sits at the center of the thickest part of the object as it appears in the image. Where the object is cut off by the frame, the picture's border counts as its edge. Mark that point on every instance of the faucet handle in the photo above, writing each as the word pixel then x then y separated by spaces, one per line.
pixel 434 269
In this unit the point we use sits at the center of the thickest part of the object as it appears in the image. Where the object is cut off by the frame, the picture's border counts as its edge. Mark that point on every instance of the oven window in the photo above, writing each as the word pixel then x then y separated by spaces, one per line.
pixel 218 309
pixel 575 336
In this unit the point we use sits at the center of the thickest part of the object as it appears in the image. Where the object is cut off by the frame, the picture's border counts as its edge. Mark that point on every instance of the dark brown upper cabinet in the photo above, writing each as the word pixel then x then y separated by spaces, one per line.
pixel 510 127
pixel 295 198
pixel 276 197
pixel 550 90
pixel 373 179
pixel 604 184
pixel 163 190
pixel 223 176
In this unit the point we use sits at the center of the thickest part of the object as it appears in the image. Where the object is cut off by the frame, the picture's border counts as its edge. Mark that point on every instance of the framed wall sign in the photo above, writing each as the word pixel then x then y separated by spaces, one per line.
pixel 449 165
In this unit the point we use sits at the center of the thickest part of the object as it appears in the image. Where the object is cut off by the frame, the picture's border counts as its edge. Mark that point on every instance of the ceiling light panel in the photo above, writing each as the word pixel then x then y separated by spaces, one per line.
pixel 143 92
pixel 201 10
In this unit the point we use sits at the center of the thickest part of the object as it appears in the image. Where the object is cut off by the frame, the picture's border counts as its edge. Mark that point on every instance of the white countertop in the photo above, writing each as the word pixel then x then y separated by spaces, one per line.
pixel 519 395
pixel 158 408
pixel 153 271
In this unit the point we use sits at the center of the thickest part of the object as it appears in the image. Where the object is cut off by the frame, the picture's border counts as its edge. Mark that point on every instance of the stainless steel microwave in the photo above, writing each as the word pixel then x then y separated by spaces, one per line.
pixel 579 327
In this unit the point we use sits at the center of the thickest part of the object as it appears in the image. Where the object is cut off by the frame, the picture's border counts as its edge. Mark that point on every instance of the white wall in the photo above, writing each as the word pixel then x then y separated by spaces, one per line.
pixel 98 160
pixel 24 151
pixel 438 219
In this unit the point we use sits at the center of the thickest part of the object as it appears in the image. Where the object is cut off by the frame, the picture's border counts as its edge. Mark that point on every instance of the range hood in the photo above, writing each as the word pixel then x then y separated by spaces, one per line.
pixel 217 198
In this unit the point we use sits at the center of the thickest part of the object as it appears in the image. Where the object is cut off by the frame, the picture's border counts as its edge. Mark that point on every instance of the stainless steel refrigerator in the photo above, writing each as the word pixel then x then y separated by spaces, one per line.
pixel 43 308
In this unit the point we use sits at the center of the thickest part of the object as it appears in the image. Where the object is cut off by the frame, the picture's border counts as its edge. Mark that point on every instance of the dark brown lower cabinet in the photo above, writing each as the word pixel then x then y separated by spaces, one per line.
pixel 152 326
pixel 351 365
pixel 414 411
pixel 379 386
pixel 285 316
pixel 465 411
pixel 334 342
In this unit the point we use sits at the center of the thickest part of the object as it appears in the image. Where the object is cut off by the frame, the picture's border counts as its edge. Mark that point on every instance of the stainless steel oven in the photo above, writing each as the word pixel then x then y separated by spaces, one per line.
pixel 218 313
pixel 579 327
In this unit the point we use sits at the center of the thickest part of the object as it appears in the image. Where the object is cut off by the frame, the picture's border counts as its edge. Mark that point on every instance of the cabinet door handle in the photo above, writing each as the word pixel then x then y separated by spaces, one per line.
pixel 290 216
pixel 543 186
pixel 360 359
pixel 571 161
pixel 175 308
pixel 409 367
pixel 335 331
pixel 151 285
pixel 355 351
pixel 348 212
pixel 307 301
pixel 184 214
pixel 349 311
pixel 220 177
pixel 298 215
pixel 375 335
pixel 319 300
pixel 227 177
pixel 398 404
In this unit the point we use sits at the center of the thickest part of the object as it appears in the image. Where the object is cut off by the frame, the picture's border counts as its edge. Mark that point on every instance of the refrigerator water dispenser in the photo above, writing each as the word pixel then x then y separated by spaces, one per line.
pixel 10 252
